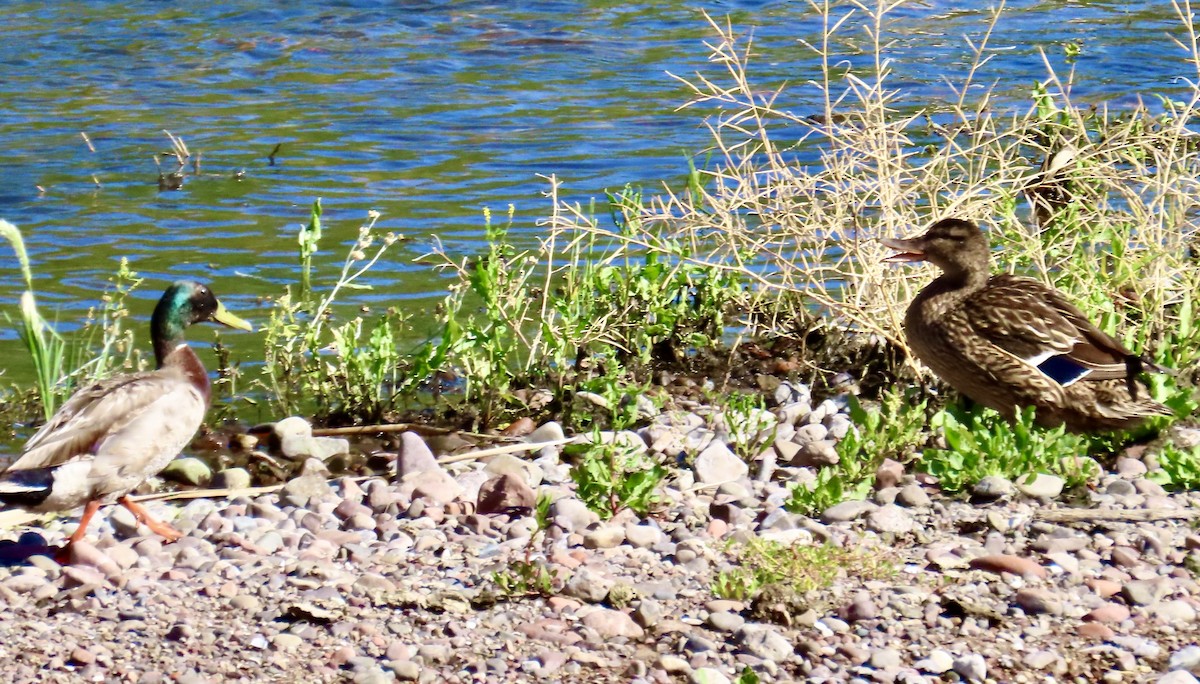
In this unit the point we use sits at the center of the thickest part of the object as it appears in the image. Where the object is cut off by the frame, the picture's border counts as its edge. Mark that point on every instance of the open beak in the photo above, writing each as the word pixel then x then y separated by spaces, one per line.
pixel 223 316
pixel 906 250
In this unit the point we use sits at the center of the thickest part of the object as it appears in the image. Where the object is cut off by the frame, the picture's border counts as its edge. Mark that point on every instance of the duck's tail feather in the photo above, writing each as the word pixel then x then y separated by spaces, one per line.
pixel 26 487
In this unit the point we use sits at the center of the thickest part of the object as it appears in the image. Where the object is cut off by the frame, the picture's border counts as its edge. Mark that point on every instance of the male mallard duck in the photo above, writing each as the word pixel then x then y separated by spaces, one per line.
pixel 107 438
pixel 1007 341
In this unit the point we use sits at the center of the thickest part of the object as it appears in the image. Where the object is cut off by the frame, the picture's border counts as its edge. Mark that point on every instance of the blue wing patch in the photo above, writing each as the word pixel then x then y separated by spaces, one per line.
pixel 1062 369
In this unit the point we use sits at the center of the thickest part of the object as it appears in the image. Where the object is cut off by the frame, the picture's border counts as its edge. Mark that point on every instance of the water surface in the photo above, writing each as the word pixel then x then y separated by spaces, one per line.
pixel 426 112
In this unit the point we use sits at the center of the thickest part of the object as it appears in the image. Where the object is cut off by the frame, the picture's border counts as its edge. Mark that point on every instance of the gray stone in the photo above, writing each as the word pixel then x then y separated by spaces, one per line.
pixel 188 470
pixel 726 621
pixel 890 518
pixel 588 586
pixel 612 623
pixel 762 641
pixel 549 431
pixel 1037 601
pixel 642 536
pixel 648 613
pixel 1041 660
pixel 937 662
pixel 816 454
pixel 1176 677
pixel 1041 486
pixel 1174 611
pixel 292 437
pixel 1186 658
pixel 414 456
pixel 507 464
pixel 301 490
pixel 435 485
pixel 604 537
pixel 847 511
pixel 885 659
pixel 993 487
pixel 707 675
pixel 913 496
pixel 717 464
pixel 1141 592
pixel 572 515
pixel 232 478
pixel 972 667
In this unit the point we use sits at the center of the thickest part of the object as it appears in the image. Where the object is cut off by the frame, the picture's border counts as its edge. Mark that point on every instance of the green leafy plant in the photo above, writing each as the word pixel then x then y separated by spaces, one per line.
pixel 759 562
pixel 309 239
pixel 751 427
pixel 889 430
pixel 346 373
pixel 611 476
pixel 45 346
pixel 1178 469
pixel 980 443
pixel 529 576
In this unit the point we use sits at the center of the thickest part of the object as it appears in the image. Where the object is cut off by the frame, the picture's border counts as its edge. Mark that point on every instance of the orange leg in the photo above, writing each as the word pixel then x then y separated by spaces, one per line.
pixel 64 554
pixel 143 516
pixel 88 512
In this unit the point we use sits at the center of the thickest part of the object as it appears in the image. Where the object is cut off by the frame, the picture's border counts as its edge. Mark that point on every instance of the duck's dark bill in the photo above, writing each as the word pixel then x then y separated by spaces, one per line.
pixel 905 249
pixel 904 257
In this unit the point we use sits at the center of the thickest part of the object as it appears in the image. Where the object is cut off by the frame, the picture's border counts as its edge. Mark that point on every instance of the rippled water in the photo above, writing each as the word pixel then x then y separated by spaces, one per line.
pixel 426 112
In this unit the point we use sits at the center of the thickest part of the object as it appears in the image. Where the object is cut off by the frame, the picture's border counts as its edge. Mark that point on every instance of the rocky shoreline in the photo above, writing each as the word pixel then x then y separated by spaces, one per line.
pixel 392 578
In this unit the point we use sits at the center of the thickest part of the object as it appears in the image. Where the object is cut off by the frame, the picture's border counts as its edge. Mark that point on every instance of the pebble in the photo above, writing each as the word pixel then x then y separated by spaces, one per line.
pixel 971 667
pixel 1176 677
pixel 604 537
pixel 360 582
pixel 1007 563
pixel 763 641
pixel 717 464
pixel 847 511
pixel 890 519
pixel 612 623
pixel 1041 486
pixel 993 487
pixel 937 662
pixel 1186 658
pixel 707 675
pixel 913 496
pixel 188 470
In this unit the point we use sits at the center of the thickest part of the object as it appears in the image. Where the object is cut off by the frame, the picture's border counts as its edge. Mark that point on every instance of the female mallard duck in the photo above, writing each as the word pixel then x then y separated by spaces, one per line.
pixel 1006 341
pixel 111 436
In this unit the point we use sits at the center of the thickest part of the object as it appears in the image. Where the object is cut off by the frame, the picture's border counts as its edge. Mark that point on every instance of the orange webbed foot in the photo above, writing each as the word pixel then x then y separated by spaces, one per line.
pixel 168 533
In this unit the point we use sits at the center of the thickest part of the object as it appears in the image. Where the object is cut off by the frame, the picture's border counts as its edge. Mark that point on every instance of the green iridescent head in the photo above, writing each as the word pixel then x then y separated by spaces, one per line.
pixel 186 302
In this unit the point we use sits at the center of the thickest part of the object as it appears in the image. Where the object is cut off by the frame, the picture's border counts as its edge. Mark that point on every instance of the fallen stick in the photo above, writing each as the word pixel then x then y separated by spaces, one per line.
pixel 502 449
pixel 394 427
pixel 1068 515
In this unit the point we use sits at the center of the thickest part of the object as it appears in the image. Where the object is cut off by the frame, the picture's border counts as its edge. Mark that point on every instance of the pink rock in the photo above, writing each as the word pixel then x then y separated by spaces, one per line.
pixel 553 631
pixel 1109 612
pixel 563 604
pixel 889 474
pixel 415 456
pixel 503 493
pixel 1095 630
pixel 436 486
pixel 717 528
pixel 613 623
pixel 1103 588
pixel 84 553
pixel 1125 557
pixel 1015 565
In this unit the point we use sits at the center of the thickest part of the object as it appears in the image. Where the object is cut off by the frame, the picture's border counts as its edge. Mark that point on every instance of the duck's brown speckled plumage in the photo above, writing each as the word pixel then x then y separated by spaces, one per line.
pixel 1007 341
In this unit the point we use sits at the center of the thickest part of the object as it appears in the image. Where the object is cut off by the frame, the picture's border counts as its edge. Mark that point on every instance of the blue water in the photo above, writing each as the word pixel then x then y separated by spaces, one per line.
pixel 428 112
